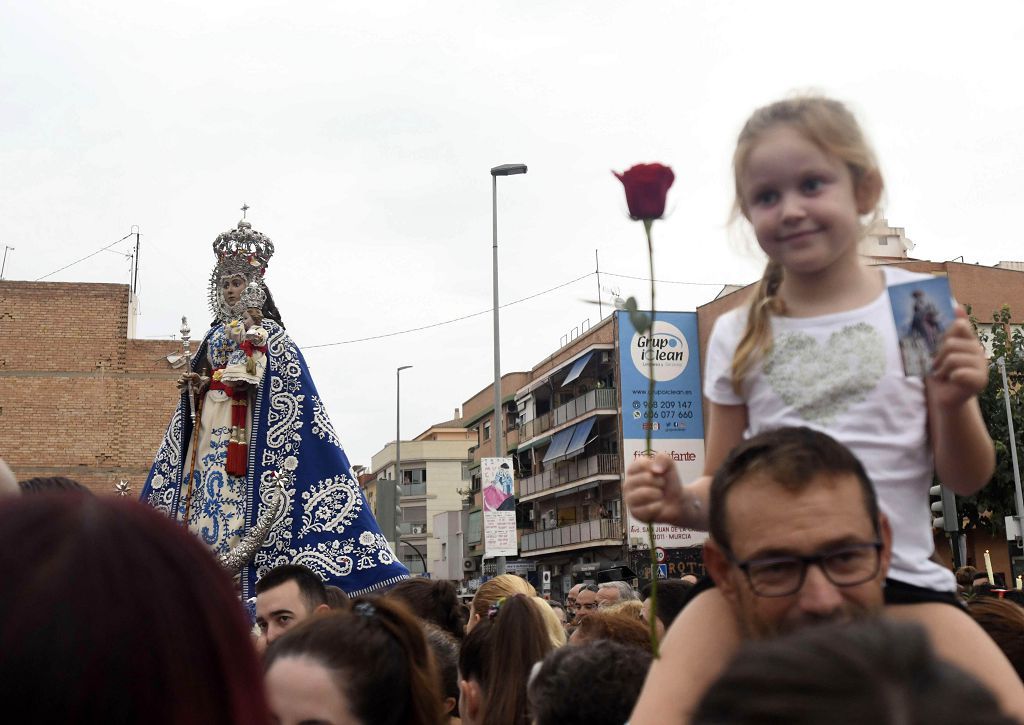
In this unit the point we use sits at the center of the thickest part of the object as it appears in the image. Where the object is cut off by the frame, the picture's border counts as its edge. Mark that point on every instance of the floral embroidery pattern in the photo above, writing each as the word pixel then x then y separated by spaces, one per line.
pixel 322 424
pixel 330 505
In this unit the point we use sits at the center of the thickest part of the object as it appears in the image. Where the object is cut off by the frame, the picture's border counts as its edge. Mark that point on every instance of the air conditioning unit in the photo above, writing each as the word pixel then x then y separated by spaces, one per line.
pixel 469 565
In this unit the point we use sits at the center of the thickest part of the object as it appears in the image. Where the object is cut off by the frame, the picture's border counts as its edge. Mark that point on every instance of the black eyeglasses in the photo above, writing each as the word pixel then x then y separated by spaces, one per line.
pixel 781 576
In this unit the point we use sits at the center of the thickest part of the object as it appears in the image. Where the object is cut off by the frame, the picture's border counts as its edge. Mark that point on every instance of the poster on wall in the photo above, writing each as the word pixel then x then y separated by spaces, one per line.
pixel 676 418
pixel 498 487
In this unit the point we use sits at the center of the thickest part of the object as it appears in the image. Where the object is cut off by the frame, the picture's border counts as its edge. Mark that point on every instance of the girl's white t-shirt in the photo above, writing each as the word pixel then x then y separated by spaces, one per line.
pixel 842 374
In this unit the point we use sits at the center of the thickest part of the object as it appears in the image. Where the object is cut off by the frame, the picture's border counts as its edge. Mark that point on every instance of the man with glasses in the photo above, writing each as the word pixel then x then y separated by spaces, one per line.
pixel 570 601
pixel 796 537
pixel 586 602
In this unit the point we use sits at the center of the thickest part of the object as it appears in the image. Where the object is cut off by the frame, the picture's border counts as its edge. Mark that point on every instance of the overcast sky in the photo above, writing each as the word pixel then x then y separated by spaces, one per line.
pixel 361 135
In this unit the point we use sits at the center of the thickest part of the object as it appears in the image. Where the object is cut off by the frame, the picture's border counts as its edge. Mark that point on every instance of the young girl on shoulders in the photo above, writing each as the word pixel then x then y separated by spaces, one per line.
pixel 817 346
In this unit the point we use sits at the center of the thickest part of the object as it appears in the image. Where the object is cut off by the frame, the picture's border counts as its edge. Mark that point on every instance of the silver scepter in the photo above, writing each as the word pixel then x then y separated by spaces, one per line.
pixel 185 332
pixel 237 558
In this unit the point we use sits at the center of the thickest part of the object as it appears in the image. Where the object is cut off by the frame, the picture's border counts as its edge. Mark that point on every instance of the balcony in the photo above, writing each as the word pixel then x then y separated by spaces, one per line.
pixel 413 489
pixel 569 471
pixel 598 398
pixel 595 530
pixel 413 529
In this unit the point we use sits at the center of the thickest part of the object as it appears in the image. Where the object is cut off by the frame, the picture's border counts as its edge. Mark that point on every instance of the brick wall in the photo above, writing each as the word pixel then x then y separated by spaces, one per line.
pixel 77 398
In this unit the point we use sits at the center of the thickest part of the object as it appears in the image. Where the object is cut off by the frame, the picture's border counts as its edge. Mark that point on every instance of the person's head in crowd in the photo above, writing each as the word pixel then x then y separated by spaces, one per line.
pixel 495 661
pixel 609 593
pixel 336 597
pixel 965 576
pixel 633 609
pixel 874 671
pixel 367 666
pixel 8 483
pixel 285 596
pixel 690 579
pixel 1014 595
pixel 446 657
pixel 52 484
pixel 503 585
pixel 1003 621
pixel 553 625
pixel 570 601
pixel 796 537
pixel 980 579
pixel 114 613
pixel 614 626
pixel 432 600
pixel 596 683
pixel 983 589
pixel 586 602
pixel 559 611
pixel 672 595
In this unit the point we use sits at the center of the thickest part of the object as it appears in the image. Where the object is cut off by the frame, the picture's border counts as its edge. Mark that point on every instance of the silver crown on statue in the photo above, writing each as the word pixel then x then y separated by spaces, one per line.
pixel 241 251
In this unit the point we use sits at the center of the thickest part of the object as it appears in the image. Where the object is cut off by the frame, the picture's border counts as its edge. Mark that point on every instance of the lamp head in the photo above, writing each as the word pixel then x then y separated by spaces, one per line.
pixel 508 170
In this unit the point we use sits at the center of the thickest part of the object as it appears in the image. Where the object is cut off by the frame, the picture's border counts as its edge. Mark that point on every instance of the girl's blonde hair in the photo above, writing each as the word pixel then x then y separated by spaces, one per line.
pixel 503 585
pixel 556 632
pixel 830 126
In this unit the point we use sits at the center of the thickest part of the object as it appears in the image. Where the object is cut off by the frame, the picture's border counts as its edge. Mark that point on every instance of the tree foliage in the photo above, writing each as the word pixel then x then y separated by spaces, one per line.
pixel 987 508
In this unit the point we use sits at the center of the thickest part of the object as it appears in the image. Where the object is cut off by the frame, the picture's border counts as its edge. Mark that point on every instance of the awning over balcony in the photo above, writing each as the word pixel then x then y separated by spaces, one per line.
pixel 559 443
pixel 577 368
pixel 570 441
pixel 580 434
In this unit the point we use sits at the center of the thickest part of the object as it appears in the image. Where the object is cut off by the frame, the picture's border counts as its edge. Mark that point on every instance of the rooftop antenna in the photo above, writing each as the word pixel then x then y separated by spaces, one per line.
pixel 4 265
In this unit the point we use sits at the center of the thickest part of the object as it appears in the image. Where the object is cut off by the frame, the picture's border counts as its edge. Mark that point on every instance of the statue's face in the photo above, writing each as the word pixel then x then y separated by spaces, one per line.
pixel 231 288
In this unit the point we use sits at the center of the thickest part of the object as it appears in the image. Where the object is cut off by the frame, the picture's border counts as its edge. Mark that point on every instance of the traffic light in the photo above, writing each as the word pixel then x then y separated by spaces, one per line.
pixel 946 517
pixel 389 510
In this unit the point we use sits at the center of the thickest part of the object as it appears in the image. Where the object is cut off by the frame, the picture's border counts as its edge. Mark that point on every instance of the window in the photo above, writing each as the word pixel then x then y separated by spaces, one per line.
pixel 414 475
pixel 487 430
pixel 473 532
pixel 414 515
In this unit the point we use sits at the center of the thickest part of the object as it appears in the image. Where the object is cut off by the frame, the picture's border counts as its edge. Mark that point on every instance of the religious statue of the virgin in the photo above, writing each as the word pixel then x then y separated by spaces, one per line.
pixel 250 461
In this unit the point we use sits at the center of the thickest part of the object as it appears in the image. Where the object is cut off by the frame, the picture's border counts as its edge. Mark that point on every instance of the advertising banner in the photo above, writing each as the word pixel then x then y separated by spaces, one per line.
pixel 498 487
pixel 676 419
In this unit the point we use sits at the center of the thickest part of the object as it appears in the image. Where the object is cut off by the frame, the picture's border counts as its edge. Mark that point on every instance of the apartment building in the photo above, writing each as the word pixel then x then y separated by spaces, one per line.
pixel 433 465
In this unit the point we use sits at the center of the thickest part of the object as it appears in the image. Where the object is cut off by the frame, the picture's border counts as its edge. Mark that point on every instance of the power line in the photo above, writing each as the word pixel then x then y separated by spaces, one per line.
pixel 448 322
pixel 666 281
pixel 101 249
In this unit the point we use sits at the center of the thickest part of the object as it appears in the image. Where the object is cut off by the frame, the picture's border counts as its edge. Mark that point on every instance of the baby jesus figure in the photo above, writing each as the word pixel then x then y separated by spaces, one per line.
pixel 247 363
pixel 243 373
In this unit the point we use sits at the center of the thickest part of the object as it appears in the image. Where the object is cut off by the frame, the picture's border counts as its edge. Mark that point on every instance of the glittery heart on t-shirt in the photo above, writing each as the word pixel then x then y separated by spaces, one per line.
pixel 822 381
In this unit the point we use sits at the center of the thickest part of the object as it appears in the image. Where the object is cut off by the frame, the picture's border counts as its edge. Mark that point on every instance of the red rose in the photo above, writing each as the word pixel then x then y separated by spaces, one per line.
pixel 646 187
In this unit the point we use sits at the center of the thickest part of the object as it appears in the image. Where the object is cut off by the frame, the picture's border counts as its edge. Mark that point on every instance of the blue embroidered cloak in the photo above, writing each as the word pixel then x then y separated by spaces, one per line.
pixel 326 523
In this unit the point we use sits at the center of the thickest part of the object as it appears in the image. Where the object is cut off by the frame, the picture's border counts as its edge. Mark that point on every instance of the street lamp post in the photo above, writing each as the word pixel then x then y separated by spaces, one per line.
pixel 398 443
pixel 1019 498
pixel 503 170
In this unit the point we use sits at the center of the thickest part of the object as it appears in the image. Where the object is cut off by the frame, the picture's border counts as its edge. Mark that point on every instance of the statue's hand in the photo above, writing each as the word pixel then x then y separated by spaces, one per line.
pixel 186 379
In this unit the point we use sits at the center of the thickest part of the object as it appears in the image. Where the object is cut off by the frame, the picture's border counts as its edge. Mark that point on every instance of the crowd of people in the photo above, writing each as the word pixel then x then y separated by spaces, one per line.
pixel 823 600
pixel 148 627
